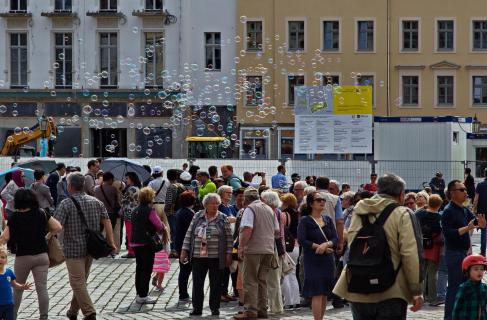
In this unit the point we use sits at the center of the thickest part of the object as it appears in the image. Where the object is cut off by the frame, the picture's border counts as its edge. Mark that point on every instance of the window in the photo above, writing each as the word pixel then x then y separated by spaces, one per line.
pixel 365 36
pixel 254 145
pixel 445 35
pixel 479 90
pixel 480 35
pixel 213 51
pixel 296 35
pixel 64 59
pixel 410 90
pixel 286 146
pixel 154 52
pixel 18 60
pixel 367 80
pixel 254 35
pixel 456 137
pixel 108 5
pixel 253 89
pixel 331 80
pixel 293 81
pixel 108 59
pixel 481 161
pixel 410 35
pixel 445 85
pixel 62 5
pixel 153 5
pixel 331 35
pixel 18 5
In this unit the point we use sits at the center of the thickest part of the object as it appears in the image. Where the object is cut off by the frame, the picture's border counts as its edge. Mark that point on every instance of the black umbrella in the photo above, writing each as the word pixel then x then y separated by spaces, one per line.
pixel 120 166
pixel 47 165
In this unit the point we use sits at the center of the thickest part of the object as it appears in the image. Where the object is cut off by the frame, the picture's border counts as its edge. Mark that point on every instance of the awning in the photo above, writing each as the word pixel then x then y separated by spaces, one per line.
pixel 205 139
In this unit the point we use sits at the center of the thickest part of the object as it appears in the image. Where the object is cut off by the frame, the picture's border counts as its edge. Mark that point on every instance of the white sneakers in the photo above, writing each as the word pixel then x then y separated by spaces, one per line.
pixel 145 300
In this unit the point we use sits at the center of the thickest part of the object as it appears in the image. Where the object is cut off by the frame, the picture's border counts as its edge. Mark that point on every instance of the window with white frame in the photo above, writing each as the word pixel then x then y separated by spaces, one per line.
pixel 445 90
pixel 365 35
pixel 296 35
pixel 18 60
pixel 254 145
pixel 155 5
pixel 293 81
pixel 480 35
pixel 479 90
pixel 446 35
pixel 254 35
pixel 62 5
pixel 18 5
pixel 108 5
pixel 213 51
pixel 253 89
pixel 63 49
pixel 331 35
pixel 154 53
pixel 410 90
pixel 367 80
pixel 108 59
pixel 410 35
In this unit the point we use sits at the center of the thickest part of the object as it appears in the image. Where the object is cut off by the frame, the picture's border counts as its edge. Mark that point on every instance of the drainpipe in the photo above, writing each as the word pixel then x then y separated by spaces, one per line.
pixel 388 87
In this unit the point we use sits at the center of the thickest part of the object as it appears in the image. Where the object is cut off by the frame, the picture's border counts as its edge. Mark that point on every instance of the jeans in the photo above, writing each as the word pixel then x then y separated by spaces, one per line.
pixel 482 241
pixel 442 279
pixel 455 278
pixel 6 312
pixel 37 264
pixel 183 277
pixel 144 261
pixel 172 226
pixel 390 309
pixel 202 266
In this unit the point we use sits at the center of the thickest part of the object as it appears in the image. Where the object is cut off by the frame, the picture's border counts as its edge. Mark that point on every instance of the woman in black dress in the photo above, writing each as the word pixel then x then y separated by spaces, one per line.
pixel 317 235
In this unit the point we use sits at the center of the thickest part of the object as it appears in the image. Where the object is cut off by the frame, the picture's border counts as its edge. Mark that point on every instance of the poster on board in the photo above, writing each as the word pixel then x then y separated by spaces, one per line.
pixel 333 121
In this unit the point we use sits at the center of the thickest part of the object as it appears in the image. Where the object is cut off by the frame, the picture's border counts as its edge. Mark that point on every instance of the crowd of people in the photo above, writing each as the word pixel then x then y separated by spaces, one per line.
pixel 296 243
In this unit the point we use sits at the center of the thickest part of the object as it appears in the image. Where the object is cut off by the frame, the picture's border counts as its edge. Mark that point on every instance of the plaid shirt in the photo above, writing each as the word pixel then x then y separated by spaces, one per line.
pixel 74 230
pixel 471 298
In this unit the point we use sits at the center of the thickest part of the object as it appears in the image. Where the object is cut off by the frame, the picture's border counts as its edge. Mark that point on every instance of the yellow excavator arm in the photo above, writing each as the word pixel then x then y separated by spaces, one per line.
pixel 15 141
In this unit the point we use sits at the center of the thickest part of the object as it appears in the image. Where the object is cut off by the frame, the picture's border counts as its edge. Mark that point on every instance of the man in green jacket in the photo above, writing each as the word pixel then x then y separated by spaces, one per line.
pixel 405 243
pixel 205 184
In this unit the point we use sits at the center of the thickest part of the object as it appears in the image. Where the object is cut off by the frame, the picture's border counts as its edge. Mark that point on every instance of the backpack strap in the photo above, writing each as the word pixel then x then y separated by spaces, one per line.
pixel 386 213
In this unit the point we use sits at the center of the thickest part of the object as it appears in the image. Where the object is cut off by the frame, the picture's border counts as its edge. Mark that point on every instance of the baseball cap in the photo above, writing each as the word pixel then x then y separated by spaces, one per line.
pixel 156 170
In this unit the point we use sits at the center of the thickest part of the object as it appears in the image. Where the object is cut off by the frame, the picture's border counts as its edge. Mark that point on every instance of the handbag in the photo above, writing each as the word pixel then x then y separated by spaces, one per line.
pixel 96 244
pixel 54 249
pixel 155 242
pixel 55 252
pixel 288 264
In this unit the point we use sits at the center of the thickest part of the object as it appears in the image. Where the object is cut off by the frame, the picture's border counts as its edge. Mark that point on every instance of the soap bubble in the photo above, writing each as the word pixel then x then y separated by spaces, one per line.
pixel 75 150
pixel 3 108
pixel 17 130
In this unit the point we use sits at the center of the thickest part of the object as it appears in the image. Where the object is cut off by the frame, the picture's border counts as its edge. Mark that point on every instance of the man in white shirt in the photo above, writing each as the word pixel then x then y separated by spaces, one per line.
pixel 159 185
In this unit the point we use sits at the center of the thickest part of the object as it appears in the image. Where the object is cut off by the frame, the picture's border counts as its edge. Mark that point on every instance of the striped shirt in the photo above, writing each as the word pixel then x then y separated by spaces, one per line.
pixel 212 237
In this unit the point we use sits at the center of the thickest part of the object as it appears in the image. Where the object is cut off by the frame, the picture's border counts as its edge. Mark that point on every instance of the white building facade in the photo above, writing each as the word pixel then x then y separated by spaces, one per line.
pixel 120 77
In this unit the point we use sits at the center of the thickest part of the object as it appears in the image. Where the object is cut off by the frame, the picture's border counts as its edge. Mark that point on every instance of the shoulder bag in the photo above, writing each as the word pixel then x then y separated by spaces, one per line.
pixel 54 250
pixel 96 244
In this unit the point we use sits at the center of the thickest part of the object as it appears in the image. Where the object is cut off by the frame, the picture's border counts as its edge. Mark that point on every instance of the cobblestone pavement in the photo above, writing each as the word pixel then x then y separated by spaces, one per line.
pixel 111 286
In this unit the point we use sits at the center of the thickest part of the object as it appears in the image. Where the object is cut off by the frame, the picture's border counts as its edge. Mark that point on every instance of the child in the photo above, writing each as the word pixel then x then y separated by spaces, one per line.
pixel 161 260
pixel 471 299
pixel 7 280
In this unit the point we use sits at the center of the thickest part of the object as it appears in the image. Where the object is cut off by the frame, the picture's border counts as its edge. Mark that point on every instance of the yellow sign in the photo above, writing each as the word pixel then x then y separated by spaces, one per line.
pixel 352 100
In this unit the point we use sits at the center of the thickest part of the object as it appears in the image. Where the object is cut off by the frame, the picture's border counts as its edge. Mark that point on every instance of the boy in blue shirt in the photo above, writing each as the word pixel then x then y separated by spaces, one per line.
pixel 7 280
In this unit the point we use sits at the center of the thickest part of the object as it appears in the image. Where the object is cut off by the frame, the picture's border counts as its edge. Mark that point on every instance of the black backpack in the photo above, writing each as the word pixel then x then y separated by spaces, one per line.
pixel 370 268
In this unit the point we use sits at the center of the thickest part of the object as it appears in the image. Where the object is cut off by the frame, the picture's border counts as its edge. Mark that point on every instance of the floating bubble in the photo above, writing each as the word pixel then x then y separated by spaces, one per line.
pixel 87 109
pixel 75 150
pixel 243 19
pixel 146 131
pixel 135 30
pixel 3 108
pixel 132 147
pixel 17 130
pixel 150 143
pixel 15 113
pixel 26 130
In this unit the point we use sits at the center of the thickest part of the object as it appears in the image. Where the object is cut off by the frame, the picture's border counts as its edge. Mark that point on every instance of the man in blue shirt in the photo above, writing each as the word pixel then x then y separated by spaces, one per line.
pixel 480 206
pixel 457 222
pixel 279 180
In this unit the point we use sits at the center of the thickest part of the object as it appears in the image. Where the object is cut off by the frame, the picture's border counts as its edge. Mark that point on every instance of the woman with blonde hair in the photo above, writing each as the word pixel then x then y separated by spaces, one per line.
pixel 145 224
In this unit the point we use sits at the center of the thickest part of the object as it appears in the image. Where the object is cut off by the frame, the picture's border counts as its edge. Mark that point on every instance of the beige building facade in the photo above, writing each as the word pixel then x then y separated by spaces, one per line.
pixel 422 58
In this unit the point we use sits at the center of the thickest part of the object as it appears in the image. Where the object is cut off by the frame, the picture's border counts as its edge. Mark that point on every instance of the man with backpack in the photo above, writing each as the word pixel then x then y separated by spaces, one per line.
pixel 232 179
pixel 383 272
